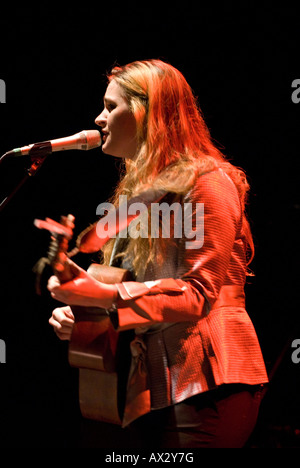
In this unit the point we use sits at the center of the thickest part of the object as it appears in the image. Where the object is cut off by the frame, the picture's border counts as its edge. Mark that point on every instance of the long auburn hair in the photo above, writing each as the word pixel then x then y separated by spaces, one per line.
pixel 174 146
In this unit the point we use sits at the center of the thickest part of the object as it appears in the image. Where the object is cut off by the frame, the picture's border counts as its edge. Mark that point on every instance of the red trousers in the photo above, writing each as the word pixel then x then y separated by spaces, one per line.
pixel 221 418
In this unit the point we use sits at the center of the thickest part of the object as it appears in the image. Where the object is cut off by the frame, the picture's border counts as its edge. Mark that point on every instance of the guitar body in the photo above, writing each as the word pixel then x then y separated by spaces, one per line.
pixel 93 350
pixel 94 344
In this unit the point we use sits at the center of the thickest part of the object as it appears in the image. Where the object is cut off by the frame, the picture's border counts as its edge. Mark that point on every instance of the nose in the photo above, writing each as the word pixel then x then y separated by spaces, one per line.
pixel 101 119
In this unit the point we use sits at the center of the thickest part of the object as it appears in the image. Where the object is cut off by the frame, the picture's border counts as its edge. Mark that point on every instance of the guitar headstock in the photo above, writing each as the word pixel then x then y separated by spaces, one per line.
pixel 61 234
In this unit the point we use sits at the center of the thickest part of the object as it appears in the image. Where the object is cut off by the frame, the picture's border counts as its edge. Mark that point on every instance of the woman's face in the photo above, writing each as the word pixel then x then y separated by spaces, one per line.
pixel 118 125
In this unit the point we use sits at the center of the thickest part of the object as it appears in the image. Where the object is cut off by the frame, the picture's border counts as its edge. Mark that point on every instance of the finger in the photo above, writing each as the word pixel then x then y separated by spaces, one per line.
pixel 68 312
pixel 64 332
pixel 53 283
pixel 64 336
pixel 63 315
pixel 74 268
pixel 59 328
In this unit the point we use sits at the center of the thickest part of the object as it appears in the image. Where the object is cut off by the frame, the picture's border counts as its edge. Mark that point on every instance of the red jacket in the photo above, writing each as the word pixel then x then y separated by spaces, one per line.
pixel 193 332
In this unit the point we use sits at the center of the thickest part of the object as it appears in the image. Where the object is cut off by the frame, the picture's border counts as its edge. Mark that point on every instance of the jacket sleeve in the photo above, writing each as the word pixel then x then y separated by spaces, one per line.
pixel 202 262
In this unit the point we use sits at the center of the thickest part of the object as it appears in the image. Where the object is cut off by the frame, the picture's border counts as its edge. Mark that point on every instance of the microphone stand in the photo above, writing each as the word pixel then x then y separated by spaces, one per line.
pixel 38 154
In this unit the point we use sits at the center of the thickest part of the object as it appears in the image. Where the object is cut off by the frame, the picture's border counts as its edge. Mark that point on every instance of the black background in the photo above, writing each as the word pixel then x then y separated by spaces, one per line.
pixel 241 61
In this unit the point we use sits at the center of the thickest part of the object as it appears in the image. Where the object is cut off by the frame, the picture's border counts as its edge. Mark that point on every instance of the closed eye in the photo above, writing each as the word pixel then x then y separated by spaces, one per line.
pixel 109 105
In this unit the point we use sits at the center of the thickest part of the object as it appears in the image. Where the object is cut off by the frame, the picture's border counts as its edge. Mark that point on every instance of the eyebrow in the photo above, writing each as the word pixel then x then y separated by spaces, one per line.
pixel 108 100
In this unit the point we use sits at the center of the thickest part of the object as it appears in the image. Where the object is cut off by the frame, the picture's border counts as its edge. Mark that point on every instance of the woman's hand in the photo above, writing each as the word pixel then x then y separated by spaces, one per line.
pixel 62 321
pixel 83 290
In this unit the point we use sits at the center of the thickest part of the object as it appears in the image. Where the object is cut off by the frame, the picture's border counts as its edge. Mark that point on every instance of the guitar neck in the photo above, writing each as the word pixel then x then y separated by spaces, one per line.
pixel 58 252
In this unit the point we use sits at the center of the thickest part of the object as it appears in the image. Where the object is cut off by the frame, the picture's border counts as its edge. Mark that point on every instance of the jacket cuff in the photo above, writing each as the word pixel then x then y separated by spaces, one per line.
pixel 130 290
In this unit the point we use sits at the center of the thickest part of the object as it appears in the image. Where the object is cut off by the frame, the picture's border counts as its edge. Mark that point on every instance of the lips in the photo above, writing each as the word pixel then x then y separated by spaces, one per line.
pixel 104 135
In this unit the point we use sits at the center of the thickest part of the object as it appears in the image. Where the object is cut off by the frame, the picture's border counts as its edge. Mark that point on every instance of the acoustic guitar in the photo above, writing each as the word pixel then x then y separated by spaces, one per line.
pixel 93 347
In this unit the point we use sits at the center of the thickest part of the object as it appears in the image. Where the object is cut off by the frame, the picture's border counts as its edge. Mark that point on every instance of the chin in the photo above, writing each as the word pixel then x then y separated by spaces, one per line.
pixel 106 151
pixel 115 154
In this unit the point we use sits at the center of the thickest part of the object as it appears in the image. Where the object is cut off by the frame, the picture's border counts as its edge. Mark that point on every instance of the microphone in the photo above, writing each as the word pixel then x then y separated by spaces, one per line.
pixel 84 140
